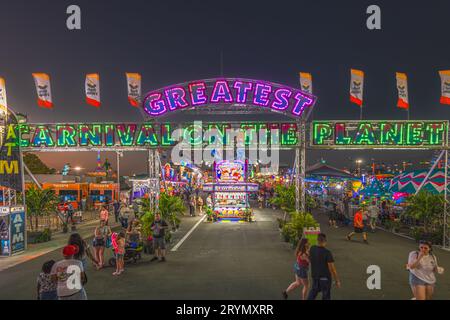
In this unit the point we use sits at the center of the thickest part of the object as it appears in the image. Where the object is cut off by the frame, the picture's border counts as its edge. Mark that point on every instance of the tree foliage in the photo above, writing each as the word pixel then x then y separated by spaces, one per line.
pixel 427 208
pixel 35 164
pixel 40 203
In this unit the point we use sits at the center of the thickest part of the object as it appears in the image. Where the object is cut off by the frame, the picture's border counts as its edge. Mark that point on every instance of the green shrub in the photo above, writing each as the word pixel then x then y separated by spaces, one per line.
pixel 43 236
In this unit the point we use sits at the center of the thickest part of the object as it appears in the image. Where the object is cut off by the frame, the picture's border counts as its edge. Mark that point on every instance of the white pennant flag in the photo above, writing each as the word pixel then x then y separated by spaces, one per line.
pixel 3 102
pixel 356 86
pixel 92 88
pixel 402 88
pixel 43 90
pixel 134 88
pixel 445 86
pixel 306 82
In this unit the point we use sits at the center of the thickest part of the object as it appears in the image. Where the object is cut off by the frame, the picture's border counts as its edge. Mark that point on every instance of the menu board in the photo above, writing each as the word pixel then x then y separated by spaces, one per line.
pixel 230 171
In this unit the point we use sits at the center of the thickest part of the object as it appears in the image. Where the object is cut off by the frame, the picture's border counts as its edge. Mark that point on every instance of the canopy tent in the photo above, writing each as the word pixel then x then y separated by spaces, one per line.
pixel 409 182
pixel 324 170
pixel 376 188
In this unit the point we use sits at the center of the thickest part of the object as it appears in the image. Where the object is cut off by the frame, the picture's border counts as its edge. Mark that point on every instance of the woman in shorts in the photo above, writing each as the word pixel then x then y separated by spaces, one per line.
pixel 301 268
pixel 101 234
pixel 422 266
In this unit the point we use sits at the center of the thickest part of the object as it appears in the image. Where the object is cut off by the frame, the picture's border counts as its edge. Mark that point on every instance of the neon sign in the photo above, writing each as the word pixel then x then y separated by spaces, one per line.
pixel 143 136
pixel 228 91
pixel 379 134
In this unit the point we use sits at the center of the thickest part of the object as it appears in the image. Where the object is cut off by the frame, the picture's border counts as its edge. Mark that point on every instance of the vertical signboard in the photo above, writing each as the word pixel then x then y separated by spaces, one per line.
pixel 17 229
pixel 10 159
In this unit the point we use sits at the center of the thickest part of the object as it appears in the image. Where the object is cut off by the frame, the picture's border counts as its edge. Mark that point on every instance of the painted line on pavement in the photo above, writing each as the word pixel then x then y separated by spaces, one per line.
pixel 175 248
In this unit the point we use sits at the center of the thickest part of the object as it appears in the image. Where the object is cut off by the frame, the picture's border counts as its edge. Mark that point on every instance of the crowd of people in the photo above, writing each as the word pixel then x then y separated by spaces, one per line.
pixel 65 279
pixel 422 264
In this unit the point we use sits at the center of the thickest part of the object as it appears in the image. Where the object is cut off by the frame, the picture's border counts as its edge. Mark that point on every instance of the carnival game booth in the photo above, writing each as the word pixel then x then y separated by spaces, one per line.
pixel 230 191
pixel 70 192
pixel 103 193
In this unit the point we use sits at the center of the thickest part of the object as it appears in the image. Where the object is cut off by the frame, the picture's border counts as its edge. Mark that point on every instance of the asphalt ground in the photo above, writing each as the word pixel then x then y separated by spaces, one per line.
pixel 240 261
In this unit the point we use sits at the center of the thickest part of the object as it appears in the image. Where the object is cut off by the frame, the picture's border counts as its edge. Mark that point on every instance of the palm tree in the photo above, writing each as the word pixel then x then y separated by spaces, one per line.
pixel 170 207
pixel 39 203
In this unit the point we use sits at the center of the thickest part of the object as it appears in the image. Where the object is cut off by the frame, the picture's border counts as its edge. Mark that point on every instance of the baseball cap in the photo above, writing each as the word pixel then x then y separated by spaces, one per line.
pixel 70 250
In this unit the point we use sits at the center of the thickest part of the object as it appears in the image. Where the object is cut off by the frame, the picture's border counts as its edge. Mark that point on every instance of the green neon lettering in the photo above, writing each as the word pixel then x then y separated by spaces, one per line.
pixel 365 134
pixel 414 133
pixel 435 130
pixel 110 137
pixel 42 137
pixel 289 134
pixel 166 135
pixel 340 134
pixel 126 134
pixel 90 137
pixel 65 135
pixel 321 132
pixel 147 136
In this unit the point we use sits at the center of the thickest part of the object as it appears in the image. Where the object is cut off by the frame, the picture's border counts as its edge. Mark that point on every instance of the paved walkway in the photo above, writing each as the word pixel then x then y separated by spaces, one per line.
pixel 59 239
pixel 239 261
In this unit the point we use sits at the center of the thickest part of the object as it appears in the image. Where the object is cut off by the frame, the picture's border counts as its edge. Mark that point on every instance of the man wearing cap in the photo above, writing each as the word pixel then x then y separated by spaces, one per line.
pixel 69 276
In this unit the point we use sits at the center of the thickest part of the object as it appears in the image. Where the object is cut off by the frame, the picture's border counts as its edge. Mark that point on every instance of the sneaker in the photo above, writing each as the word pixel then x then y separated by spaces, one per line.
pixel 162 259
pixel 366 242
pixel 348 238
pixel 154 259
pixel 285 295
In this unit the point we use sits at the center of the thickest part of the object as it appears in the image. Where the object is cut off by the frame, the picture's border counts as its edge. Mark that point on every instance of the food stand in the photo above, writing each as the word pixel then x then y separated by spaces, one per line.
pixel 230 190
pixel 71 192
pixel 102 193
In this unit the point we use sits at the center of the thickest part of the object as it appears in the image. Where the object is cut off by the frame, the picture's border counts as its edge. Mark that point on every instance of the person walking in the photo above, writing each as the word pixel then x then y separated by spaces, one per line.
pixel 69 276
pixel 323 269
pixel 116 207
pixel 104 215
pixel 301 267
pixel 46 287
pixel 192 206
pixel 120 252
pixel 200 205
pixel 358 225
pixel 83 204
pixel 422 266
pixel 158 228
pixel 101 234
pixel 373 212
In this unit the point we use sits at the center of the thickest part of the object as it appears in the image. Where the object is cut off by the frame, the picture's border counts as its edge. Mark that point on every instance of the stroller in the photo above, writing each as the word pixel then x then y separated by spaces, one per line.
pixel 132 251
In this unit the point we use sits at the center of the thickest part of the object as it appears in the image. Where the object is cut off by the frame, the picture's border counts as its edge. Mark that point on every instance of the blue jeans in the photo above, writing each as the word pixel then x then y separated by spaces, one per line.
pixel 50 295
pixel 320 285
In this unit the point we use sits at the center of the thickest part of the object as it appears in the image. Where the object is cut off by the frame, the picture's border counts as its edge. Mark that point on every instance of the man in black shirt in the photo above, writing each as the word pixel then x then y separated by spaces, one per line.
pixel 322 269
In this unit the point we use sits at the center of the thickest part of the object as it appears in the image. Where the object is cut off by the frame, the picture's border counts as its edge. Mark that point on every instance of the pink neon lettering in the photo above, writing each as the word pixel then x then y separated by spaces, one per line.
pixel 281 99
pixel 175 98
pixel 154 105
pixel 197 92
pixel 221 91
pixel 242 89
pixel 262 92
pixel 302 102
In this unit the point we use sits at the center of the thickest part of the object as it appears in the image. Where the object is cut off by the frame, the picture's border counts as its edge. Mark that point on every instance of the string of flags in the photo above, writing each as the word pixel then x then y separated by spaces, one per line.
pixel 134 89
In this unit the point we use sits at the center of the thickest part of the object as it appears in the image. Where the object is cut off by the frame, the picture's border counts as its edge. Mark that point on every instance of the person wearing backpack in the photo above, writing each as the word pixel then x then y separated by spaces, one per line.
pixel 422 266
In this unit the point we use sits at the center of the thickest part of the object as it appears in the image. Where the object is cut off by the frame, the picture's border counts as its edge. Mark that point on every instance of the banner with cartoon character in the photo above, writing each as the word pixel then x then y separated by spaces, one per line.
pixel 92 87
pixel 445 85
pixel 134 88
pixel 43 90
pixel 356 86
pixel 402 88
pixel 306 82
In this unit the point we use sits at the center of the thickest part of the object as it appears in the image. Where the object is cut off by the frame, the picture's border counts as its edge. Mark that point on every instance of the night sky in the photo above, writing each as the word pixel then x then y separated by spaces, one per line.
pixel 176 41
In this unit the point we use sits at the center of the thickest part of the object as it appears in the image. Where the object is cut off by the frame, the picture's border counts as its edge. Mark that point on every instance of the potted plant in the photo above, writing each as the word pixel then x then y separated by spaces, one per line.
pixel 170 207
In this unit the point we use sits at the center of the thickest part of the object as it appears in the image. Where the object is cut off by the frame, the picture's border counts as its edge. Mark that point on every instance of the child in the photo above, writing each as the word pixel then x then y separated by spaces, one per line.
pixel 120 252
pixel 46 287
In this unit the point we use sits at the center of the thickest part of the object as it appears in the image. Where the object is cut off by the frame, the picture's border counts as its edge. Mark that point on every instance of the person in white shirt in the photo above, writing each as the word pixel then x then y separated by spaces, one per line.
pixel 422 266
pixel 373 212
